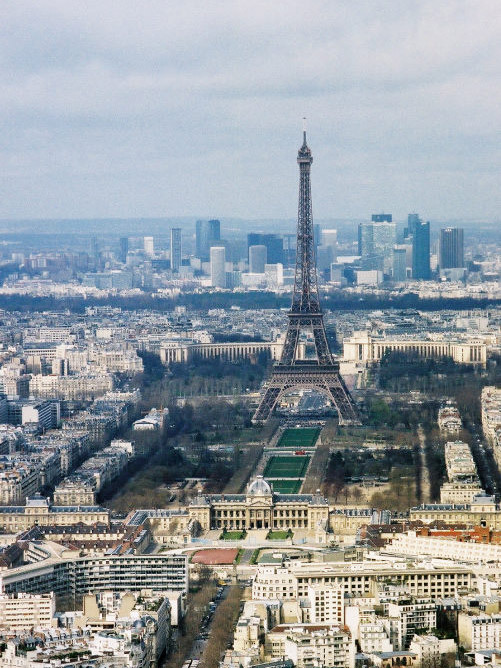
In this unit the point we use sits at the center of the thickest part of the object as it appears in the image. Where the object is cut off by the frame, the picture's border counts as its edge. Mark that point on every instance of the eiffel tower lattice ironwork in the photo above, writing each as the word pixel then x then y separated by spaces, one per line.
pixel 291 372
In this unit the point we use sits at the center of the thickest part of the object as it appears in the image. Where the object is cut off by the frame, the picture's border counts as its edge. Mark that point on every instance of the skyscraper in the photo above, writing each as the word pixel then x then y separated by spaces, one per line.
pixel 419 232
pixel 94 248
pixel 451 248
pixel 273 242
pixel 124 249
pixel 148 246
pixel 329 238
pixel 381 217
pixel 208 233
pixel 289 250
pixel 175 249
pixel 218 266
pixel 376 240
pixel 257 259
pixel 399 263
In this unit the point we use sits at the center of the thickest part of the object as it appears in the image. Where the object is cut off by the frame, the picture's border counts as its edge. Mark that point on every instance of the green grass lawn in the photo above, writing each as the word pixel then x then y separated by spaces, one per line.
pixel 232 535
pixel 299 438
pixel 286 486
pixel 293 466
pixel 279 535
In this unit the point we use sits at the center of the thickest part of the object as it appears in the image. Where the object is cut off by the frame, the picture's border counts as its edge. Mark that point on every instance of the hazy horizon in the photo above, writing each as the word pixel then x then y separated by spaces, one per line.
pixel 165 109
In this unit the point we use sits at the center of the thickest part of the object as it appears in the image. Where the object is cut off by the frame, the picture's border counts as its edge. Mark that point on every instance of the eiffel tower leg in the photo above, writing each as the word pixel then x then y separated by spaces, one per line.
pixel 267 404
pixel 290 345
pixel 321 345
pixel 340 397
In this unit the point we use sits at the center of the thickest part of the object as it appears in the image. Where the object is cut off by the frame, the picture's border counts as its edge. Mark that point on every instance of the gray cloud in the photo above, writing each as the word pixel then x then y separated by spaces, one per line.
pixel 168 108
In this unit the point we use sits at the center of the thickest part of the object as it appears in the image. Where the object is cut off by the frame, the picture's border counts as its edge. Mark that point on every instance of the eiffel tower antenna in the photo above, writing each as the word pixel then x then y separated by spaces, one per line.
pixel 290 372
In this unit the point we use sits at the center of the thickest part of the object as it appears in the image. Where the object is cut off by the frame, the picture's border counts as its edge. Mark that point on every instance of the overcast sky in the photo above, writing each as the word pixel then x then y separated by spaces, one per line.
pixel 162 108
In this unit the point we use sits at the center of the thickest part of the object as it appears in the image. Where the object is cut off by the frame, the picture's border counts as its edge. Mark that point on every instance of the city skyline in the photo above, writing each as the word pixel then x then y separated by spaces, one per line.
pixel 401 102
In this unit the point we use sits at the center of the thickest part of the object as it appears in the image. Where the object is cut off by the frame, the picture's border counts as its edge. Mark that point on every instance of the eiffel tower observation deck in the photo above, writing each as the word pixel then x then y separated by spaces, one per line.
pixel 291 373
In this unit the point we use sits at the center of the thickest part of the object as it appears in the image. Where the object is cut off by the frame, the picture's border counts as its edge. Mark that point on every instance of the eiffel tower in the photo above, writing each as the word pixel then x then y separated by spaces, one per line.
pixel 291 373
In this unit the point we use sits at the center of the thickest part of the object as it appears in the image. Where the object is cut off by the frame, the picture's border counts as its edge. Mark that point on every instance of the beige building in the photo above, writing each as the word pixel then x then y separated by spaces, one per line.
pixel 260 508
pixel 459 462
pixel 38 511
pixel 167 526
pixel 364 347
pixel 460 493
pixel 184 351
pixel 427 651
pixel 22 612
pixel 74 492
pixel 481 511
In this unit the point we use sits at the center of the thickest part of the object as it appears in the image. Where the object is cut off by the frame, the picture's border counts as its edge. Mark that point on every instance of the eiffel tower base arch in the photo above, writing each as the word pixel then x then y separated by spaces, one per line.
pixel 325 379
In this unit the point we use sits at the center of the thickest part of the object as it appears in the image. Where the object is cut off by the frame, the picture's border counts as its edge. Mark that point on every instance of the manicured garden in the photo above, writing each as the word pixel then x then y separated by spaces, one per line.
pixel 232 535
pixel 279 535
pixel 293 466
pixel 289 486
pixel 305 437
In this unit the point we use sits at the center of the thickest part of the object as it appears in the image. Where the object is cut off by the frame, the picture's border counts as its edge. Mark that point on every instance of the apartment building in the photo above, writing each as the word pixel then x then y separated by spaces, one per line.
pixel 459 493
pixel 326 605
pixel 75 576
pixel 443 548
pixel 421 579
pixel 22 612
pixel 77 387
pixel 459 462
pixel 491 419
pixel 449 420
pixel 408 616
pixel 332 646
pixel 477 632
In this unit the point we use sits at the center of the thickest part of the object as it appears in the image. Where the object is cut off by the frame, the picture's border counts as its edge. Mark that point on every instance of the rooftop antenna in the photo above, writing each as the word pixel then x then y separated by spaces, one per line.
pixel 304 129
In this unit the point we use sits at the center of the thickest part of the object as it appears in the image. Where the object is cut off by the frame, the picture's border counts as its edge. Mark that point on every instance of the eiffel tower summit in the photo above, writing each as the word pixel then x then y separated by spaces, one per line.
pixel 290 373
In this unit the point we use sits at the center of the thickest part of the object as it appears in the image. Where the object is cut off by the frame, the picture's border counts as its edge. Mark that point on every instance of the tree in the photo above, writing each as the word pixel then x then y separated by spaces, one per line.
pixel 357 495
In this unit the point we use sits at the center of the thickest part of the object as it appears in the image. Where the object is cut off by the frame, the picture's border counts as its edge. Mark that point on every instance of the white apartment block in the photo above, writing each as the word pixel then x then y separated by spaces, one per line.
pixel 478 632
pixel 361 578
pixel 444 548
pixel 22 612
pixel 320 647
pixel 326 605
pixel 371 631
pixel 407 617
pixel 274 582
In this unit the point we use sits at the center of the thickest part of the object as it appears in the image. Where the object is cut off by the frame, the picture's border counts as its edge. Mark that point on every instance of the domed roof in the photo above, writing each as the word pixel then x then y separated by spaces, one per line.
pixel 259 487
